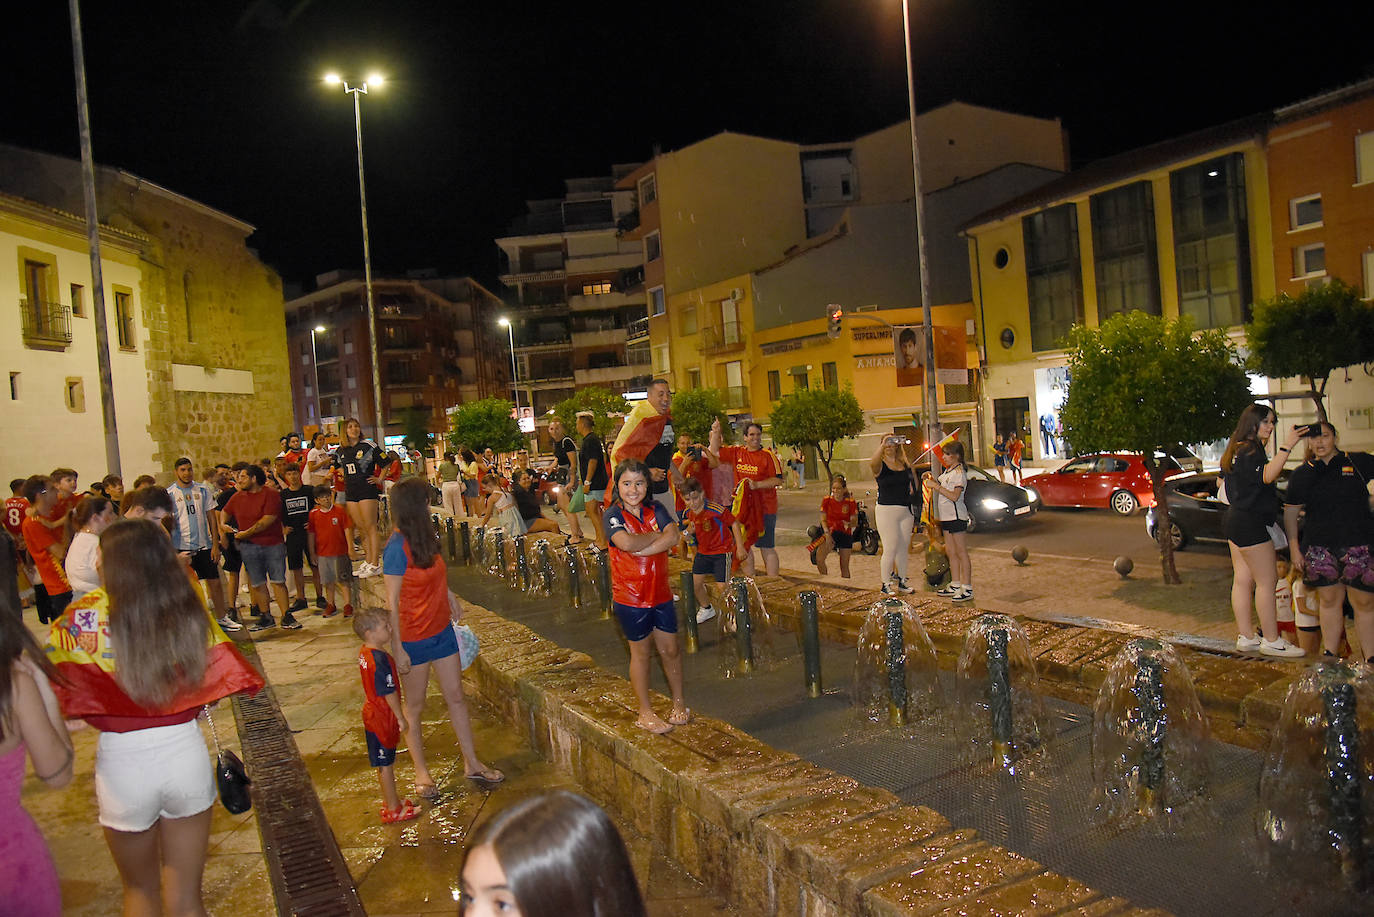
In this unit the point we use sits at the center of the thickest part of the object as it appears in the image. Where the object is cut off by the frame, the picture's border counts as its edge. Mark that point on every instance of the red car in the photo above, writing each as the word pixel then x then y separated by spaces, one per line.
pixel 1115 480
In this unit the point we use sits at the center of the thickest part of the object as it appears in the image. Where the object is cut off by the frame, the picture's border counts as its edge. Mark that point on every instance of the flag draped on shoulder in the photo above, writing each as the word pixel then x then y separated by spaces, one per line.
pixel 79 646
pixel 747 509
pixel 643 430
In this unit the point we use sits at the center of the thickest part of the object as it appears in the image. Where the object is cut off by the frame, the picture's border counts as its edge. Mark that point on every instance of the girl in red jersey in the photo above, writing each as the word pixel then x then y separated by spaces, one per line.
pixel 641 532
pixel 838 512
pixel 423 612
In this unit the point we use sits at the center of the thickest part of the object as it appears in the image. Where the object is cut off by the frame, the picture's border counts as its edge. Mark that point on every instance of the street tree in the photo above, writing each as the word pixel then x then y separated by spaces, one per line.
pixel 606 406
pixel 485 424
pixel 1142 383
pixel 1324 328
pixel 818 418
pixel 415 423
pixel 696 409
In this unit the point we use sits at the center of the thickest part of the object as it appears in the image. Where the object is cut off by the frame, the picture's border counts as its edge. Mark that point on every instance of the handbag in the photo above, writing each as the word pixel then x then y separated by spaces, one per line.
pixel 230 775
pixel 578 501
pixel 1277 536
pixel 468 644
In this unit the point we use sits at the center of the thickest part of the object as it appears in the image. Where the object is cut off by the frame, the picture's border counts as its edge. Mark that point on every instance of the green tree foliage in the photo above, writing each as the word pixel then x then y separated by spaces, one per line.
pixel 1322 329
pixel 1142 383
pixel 695 410
pixel 415 423
pixel 818 418
pixel 486 423
pixel 606 406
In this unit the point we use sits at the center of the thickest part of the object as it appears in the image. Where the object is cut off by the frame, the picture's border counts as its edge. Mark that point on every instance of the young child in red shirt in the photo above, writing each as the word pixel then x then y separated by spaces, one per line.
pixel 716 539
pixel 838 513
pixel 329 530
pixel 383 718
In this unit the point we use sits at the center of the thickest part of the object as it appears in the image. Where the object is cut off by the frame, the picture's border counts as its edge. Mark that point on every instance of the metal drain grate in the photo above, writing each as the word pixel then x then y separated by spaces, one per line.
pixel 308 871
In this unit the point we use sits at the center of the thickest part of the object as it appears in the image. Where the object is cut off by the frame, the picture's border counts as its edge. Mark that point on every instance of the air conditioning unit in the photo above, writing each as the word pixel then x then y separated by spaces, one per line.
pixel 737 294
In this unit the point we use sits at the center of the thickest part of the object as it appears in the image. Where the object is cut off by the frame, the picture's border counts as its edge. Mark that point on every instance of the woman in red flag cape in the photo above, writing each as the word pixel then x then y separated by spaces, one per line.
pixel 140 657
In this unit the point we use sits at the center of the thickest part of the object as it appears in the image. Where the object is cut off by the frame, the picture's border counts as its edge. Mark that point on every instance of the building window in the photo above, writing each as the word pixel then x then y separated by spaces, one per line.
pixel 658 304
pixel 1211 242
pixel 1368 258
pixel 78 300
pixel 800 383
pixel 1309 261
pixel 637 354
pixel 653 250
pixel 694 379
pixel 774 385
pixel 689 320
pixel 648 190
pixel 830 377
pixel 75 393
pixel 1052 275
pixel 124 319
pixel 1125 260
pixel 595 289
pixel 347 340
pixel 1305 212
pixel 1364 158
pixel 661 364
pixel 14 386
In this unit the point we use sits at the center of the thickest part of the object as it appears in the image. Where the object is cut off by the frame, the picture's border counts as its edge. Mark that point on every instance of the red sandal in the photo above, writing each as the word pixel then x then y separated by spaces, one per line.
pixel 405 812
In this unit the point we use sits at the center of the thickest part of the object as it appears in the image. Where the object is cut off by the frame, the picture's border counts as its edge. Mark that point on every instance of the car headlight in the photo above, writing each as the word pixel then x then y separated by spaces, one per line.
pixel 991 503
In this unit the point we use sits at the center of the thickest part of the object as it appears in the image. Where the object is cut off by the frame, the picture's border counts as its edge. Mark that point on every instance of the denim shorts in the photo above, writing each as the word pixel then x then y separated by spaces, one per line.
pixel 264 562
pixel 770 523
pixel 440 646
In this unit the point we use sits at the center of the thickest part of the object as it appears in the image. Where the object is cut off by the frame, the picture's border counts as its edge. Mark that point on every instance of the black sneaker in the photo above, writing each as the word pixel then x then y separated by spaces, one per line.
pixel 289 622
pixel 255 612
pixel 263 622
pixel 298 605
pixel 320 602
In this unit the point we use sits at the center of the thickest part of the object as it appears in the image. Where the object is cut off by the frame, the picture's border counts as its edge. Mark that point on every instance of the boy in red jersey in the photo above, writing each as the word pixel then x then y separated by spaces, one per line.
pixel 53 592
pixel 329 533
pixel 716 538
pixel 383 717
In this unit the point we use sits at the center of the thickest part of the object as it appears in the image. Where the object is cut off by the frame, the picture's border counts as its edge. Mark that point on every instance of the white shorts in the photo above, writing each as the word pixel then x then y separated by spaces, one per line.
pixel 162 772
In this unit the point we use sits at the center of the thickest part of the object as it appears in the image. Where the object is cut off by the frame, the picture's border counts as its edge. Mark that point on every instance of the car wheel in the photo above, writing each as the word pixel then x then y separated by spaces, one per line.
pixel 1177 536
pixel 972 523
pixel 1124 503
pixel 871 544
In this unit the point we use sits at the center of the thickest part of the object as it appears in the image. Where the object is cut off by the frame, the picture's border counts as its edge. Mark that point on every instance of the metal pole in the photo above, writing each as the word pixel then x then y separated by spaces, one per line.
pixel 315 362
pixel 930 407
pixel 689 610
pixel 999 695
pixel 603 583
pixel 811 641
pixel 1343 776
pixel 367 269
pixel 521 580
pixel 572 560
pixel 1148 689
pixel 102 333
pixel 465 539
pixel 514 372
pixel 744 637
pixel 896 663
pixel 452 541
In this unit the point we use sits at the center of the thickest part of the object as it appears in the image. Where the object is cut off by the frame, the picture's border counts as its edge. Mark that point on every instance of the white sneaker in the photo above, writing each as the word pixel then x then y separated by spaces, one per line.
pixel 229 625
pixel 889 589
pixel 965 595
pixel 1248 644
pixel 950 591
pixel 705 613
pixel 1281 647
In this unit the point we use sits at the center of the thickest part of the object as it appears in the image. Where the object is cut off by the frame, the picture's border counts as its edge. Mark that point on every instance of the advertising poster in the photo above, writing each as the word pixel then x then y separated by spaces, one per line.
pixel 909 348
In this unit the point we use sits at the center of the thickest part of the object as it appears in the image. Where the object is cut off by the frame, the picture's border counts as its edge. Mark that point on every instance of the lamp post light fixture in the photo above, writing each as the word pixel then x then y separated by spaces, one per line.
pixel 357 92
pixel 315 364
pixel 514 375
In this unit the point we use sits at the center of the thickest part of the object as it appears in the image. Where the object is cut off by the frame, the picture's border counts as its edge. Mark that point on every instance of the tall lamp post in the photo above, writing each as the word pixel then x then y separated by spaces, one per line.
pixel 315 364
pixel 357 92
pixel 514 375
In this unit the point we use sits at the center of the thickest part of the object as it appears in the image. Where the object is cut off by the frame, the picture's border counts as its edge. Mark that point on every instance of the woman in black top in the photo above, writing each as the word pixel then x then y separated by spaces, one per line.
pixel 1337 533
pixel 593 473
pixel 565 475
pixel 1250 474
pixel 522 490
pixel 361 461
pixel 893 512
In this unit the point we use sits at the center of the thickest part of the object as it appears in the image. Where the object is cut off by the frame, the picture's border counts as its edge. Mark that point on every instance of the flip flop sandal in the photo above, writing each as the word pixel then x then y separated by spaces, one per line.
pixel 658 729
pixel 426 791
pixel 405 812
pixel 490 776
pixel 680 717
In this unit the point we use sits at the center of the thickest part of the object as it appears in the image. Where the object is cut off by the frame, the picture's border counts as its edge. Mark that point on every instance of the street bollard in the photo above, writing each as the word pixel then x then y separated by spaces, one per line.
pixel 452 540
pixel 1149 694
pixel 1344 774
pixel 465 539
pixel 498 547
pixel 811 641
pixel 689 611
pixel 521 579
pixel 546 574
pixel 438 528
pixel 744 636
pixel 896 664
pixel 999 695
pixel 603 583
pixel 574 575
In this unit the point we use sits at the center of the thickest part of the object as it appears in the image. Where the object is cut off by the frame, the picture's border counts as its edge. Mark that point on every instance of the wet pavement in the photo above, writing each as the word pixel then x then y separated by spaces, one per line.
pixel 410 868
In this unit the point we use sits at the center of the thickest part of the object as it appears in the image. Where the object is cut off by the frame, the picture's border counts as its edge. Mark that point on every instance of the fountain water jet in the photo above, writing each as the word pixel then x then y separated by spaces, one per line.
pixel 746 629
pixel 896 675
pixel 1000 716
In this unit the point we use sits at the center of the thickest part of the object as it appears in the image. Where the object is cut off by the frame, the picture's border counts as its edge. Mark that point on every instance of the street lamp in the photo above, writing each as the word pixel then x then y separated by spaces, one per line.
pixel 514 375
pixel 315 363
pixel 357 92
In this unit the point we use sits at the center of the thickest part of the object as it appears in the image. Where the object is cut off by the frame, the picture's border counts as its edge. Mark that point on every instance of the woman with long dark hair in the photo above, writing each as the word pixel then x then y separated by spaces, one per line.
pixel 423 612
pixel 552 855
pixel 1249 474
pixel 522 490
pixel 360 459
pixel 139 658
pixel 30 726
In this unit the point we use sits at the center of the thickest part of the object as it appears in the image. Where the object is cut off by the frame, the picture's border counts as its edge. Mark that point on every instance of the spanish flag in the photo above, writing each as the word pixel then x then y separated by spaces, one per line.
pixel 642 431
pixel 747 509
pixel 79 646
pixel 938 449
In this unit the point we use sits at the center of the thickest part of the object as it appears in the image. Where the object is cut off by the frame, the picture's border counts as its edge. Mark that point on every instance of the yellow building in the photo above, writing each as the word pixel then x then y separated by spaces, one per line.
pixel 1177 228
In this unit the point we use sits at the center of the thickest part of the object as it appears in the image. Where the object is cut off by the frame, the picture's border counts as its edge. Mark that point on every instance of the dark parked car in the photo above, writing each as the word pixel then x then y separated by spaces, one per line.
pixel 1195 513
pixel 992 502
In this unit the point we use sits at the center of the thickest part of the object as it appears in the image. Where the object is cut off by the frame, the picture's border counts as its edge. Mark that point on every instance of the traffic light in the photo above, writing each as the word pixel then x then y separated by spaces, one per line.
pixel 836 313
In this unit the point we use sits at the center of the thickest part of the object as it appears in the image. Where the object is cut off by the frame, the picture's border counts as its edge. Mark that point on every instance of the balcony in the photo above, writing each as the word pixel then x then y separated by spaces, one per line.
pixel 46 323
pixel 735 397
pixel 639 328
pixel 721 339
pixel 603 263
pixel 631 279
pixel 400 308
pixel 599 338
pixel 628 222
pixel 603 375
pixel 325 354
pixel 587 302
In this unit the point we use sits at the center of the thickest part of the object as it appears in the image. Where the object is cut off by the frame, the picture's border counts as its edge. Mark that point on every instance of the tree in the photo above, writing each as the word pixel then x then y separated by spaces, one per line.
pixel 1323 328
pixel 486 424
pixel 1143 383
pixel 604 404
pixel 696 409
pixel 415 423
pixel 818 418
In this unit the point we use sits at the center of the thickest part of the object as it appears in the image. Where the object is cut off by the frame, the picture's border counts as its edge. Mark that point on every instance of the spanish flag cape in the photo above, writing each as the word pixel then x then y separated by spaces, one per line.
pixel 642 431
pixel 747 509
pixel 79 645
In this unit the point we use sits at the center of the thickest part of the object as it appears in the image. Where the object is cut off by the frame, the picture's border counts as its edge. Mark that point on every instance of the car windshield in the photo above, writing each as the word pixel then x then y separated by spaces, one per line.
pixel 978 474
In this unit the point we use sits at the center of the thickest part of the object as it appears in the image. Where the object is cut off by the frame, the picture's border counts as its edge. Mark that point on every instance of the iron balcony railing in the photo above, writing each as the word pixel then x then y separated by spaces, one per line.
pixel 735 396
pixel 639 328
pixel 45 322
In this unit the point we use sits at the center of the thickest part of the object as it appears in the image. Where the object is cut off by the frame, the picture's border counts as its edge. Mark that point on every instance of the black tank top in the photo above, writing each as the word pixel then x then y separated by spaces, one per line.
pixel 894 487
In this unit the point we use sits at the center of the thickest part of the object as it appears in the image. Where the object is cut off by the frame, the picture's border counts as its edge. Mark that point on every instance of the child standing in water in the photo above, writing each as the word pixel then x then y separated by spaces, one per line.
pixel 383 718
pixel 641 532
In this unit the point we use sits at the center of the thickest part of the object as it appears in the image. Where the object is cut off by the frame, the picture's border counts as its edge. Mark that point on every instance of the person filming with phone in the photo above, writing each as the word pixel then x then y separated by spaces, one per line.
pixel 1333 487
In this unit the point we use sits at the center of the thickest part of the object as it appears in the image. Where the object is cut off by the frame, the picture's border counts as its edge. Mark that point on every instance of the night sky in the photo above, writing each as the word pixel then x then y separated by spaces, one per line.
pixel 487 105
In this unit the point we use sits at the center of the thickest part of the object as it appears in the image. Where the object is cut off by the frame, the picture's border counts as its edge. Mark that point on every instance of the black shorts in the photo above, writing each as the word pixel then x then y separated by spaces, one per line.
pixel 230 559
pixel 204 565
pixel 843 541
pixel 356 489
pixel 954 526
pixel 298 550
pixel 1245 530
pixel 717 565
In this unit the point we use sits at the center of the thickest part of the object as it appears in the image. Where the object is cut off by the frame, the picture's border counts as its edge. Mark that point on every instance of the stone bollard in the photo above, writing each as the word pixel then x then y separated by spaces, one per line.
pixel 999 695
pixel 465 539
pixel 438 527
pixel 689 611
pixel 574 575
pixel 811 641
pixel 744 635
pixel 896 665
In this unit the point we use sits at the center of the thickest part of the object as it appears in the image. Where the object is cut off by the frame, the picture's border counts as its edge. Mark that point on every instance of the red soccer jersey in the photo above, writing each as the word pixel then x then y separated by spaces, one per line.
pixel 294 458
pixel 64 505
pixel 424 591
pixel 379 680
pixel 760 466
pixel 839 514
pixel 639 582
pixel 712 528
pixel 38 537
pixel 248 507
pixel 330 528
pixel 15 510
